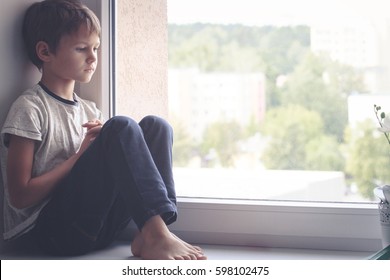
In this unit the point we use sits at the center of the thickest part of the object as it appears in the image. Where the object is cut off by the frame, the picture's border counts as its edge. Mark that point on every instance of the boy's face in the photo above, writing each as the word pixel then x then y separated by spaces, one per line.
pixel 76 57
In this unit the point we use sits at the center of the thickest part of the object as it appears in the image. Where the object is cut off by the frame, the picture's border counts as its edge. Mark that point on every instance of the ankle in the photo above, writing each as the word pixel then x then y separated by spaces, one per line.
pixel 154 228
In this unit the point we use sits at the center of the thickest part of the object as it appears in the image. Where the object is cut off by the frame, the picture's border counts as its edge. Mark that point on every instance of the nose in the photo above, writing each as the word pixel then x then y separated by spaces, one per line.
pixel 92 56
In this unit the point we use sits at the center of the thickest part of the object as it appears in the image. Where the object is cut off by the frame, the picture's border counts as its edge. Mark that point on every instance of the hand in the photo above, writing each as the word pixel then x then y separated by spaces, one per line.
pixel 92 124
pixel 93 130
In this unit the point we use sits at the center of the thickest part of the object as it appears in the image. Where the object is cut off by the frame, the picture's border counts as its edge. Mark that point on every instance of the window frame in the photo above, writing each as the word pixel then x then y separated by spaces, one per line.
pixel 288 224
pixel 101 89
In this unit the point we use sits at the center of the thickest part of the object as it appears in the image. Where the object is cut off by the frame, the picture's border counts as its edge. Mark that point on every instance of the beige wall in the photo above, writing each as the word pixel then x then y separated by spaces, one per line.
pixel 142 58
pixel 16 74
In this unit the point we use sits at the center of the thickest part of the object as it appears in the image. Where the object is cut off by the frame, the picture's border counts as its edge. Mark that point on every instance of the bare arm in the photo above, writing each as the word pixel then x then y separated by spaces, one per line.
pixel 25 190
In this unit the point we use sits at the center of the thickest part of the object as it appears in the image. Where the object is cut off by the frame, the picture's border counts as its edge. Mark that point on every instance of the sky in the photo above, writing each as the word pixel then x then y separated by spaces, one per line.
pixel 278 12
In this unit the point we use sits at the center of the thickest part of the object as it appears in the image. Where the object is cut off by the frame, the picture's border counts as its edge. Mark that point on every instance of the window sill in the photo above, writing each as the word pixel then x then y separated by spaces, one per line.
pixel 279 224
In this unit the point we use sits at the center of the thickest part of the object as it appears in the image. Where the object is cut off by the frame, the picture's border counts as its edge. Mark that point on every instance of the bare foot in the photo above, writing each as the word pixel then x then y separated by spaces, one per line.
pixel 156 242
pixel 189 245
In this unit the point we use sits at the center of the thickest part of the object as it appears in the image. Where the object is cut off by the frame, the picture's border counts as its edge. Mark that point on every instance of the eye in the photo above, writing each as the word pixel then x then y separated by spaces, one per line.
pixel 81 49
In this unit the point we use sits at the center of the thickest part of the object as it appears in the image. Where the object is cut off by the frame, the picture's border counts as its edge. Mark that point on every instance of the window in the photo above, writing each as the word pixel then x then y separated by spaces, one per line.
pixel 285 98
pixel 141 79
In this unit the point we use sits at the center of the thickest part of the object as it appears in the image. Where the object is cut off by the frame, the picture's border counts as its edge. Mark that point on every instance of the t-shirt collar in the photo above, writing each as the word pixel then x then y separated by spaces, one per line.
pixel 52 94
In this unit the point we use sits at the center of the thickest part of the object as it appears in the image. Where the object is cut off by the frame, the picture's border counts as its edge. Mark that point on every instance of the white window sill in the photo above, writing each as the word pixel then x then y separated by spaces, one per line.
pixel 280 224
pixel 120 250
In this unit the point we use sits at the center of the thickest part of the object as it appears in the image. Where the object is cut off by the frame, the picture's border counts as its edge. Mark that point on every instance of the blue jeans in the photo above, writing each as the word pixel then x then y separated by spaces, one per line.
pixel 125 174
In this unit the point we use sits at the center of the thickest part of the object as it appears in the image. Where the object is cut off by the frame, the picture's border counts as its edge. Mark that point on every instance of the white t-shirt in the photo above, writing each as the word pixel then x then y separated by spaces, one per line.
pixel 56 126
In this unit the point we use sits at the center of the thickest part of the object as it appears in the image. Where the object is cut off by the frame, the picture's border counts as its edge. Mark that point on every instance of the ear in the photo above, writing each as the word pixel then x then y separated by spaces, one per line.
pixel 43 52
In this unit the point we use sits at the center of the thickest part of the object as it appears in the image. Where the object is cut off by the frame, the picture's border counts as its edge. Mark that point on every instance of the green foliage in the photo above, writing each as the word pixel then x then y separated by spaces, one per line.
pixel 368 158
pixel 183 146
pixel 212 47
pixel 297 141
pixel 324 153
pixel 221 137
pixel 313 85
pixel 234 58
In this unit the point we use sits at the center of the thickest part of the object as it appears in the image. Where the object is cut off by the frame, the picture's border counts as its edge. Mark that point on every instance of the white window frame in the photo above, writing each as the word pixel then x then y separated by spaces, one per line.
pixel 288 224
pixel 101 89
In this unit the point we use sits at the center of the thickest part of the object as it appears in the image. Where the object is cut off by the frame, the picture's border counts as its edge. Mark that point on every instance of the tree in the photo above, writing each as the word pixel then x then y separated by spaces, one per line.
pixel 289 129
pixel 282 49
pixel 323 85
pixel 235 58
pixel 324 153
pixel 183 145
pixel 221 137
pixel 368 158
pixel 201 50
pixel 272 50
pixel 308 88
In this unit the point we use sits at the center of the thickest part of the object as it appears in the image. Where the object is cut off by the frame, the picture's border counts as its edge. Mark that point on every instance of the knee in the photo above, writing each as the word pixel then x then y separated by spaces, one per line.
pixel 118 123
pixel 156 124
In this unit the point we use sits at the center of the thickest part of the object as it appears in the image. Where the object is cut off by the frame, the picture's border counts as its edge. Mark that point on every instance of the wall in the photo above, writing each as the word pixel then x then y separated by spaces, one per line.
pixel 142 58
pixel 16 73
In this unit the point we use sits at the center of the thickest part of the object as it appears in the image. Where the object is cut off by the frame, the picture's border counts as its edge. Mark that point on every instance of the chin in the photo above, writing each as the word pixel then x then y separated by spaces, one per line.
pixel 85 81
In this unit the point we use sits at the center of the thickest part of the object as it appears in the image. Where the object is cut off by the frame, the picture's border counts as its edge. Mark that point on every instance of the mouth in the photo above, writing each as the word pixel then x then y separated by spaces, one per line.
pixel 90 70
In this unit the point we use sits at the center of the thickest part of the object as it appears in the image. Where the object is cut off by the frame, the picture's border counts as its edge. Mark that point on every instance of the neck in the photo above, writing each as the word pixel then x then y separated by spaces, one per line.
pixel 63 90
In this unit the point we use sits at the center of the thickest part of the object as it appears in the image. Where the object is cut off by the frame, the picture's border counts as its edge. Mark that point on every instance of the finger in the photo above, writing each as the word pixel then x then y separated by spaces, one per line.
pixel 89 123
pixel 94 130
pixel 93 123
pixel 88 126
pixel 99 122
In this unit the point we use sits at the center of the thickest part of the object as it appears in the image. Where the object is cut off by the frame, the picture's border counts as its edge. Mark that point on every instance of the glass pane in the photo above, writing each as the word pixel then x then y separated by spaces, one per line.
pixel 275 99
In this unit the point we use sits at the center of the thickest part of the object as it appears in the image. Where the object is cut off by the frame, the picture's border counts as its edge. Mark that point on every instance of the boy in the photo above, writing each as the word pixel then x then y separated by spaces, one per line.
pixel 71 182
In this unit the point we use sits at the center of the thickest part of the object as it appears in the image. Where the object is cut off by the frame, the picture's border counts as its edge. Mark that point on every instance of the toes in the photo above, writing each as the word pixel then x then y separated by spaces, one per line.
pixel 201 257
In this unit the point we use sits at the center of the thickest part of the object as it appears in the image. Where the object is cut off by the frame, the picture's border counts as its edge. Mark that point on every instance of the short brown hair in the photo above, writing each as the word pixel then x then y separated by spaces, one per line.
pixel 49 20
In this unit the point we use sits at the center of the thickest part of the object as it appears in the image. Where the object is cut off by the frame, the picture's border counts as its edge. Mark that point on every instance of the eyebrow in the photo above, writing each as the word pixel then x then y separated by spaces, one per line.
pixel 87 42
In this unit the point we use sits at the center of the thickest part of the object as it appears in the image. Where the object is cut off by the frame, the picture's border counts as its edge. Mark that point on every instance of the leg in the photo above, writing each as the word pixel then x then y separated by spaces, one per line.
pixel 116 179
pixel 148 244
pixel 134 165
pixel 85 212
pixel 116 172
pixel 158 135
